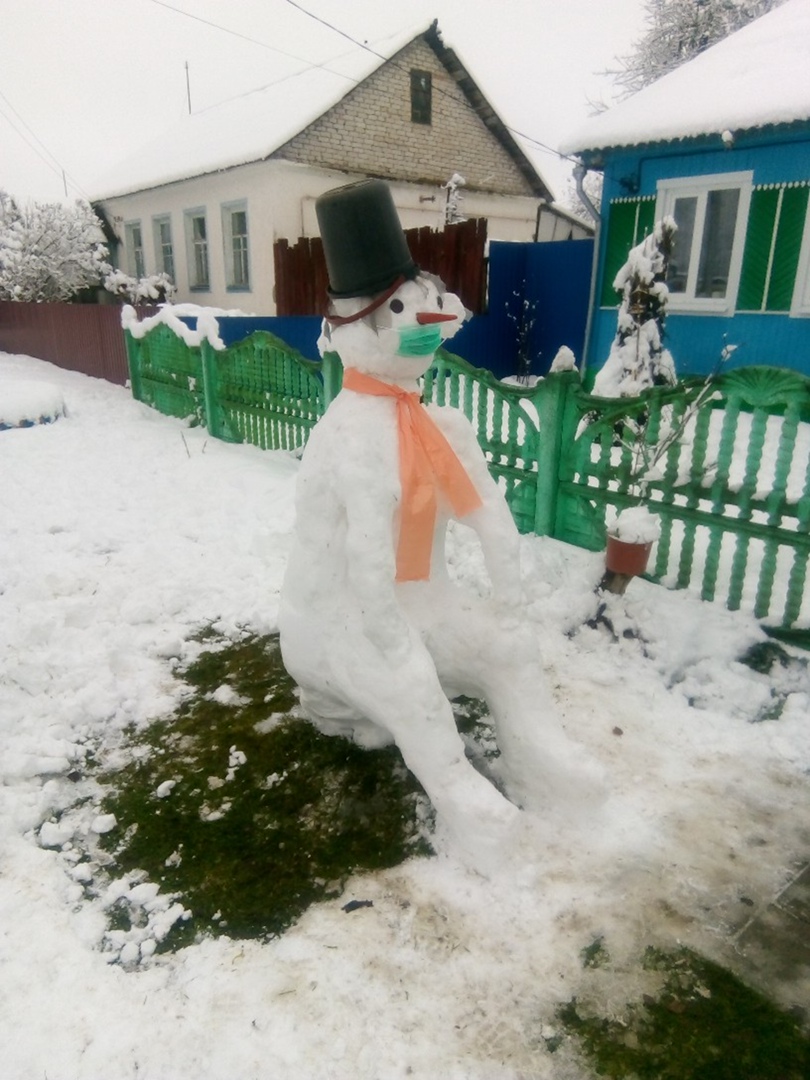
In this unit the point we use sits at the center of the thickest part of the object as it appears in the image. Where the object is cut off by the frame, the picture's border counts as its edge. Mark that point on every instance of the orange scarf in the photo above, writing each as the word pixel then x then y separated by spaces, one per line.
pixel 426 461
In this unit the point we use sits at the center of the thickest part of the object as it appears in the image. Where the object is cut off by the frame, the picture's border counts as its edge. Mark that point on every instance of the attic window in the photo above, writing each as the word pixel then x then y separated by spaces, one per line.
pixel 421 97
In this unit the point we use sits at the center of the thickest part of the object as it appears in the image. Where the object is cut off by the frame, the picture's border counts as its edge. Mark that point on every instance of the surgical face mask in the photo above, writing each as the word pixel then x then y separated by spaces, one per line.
pixel 419 340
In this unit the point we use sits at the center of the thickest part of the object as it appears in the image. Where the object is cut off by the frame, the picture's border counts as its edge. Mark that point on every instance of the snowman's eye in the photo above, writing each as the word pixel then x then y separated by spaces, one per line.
pixel 396 306
pixel 440 302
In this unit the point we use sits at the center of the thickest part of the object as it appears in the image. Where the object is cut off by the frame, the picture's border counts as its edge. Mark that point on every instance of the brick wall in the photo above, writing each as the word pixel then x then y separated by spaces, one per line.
pixel 370 131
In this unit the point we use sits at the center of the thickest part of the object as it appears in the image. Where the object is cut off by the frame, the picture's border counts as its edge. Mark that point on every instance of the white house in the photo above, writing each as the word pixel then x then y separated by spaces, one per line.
pixel 206 202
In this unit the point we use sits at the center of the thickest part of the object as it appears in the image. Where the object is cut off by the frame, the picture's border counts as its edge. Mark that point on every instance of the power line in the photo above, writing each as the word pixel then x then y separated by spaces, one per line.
pixel 237 34
pixel 537 143
pixel 459 101
pixel 53 164
pixel 336 29
pixel 285 78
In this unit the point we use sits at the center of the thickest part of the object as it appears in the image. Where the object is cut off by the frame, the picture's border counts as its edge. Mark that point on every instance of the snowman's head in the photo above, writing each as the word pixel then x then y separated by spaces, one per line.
pixel 395 334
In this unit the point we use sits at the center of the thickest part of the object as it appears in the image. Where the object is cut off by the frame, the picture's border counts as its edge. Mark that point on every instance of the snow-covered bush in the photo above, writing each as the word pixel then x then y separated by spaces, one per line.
pixel 637 357
pixel 156 288
pixel 49 251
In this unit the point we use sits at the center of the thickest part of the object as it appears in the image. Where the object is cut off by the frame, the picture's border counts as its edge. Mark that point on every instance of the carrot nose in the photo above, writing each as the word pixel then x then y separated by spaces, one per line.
pixel 425 317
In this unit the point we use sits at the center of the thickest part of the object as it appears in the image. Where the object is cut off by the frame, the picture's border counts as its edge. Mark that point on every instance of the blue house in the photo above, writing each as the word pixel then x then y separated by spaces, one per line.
pixel 722 144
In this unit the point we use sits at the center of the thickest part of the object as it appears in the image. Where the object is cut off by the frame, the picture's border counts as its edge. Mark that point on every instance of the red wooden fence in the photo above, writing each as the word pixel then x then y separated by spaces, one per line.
pixel 80 337
pixel 456 255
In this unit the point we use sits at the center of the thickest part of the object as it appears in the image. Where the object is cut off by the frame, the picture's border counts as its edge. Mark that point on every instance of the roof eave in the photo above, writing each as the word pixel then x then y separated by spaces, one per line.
pixel 593 156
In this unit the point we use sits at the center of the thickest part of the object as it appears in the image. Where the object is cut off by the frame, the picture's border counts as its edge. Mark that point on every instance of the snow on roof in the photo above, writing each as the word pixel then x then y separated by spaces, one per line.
pixel 758 76
pixel 248 127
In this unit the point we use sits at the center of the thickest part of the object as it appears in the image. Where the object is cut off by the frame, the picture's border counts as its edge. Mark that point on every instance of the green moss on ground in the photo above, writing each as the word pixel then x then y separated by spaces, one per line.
pixel 265 815
pixel 704 1025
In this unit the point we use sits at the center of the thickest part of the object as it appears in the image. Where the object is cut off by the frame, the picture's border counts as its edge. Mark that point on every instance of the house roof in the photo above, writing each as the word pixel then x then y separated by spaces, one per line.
pixel 253 126
pixel 754 78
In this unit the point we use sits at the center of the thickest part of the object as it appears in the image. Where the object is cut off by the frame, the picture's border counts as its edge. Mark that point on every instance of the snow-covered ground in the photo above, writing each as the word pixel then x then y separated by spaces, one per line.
pixel 121 533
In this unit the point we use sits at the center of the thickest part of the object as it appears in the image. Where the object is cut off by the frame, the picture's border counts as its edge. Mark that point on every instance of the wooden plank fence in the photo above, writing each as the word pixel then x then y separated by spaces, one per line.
pixel 456 255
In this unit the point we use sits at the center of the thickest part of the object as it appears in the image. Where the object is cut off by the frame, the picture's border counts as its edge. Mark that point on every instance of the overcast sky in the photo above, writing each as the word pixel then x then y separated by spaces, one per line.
pixel 84 83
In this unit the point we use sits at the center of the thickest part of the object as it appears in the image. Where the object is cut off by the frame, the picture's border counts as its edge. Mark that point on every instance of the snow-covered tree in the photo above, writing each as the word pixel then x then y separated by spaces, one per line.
pixel 637 357
pixel 49 251
pixel 677 30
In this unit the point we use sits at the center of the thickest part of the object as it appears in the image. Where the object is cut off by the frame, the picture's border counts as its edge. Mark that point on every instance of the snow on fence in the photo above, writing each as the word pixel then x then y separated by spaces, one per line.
pixel 260 390
pixel 733 492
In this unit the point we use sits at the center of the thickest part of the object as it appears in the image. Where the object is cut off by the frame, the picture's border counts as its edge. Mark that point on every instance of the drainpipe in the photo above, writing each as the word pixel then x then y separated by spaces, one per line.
pixel 541 205
pixel 580 173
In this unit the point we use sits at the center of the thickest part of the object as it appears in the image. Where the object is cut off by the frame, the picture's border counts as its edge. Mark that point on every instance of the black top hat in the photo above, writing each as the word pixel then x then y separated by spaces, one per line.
pixel 365 247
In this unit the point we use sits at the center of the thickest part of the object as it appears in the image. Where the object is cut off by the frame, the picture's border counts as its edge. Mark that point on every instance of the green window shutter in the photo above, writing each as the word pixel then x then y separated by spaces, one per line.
pixel 620 238
pixel 759 234
pixel 786 249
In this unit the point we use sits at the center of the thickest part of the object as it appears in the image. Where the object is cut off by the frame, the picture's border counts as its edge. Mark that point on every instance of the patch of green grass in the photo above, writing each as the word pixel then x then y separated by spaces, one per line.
pixel 767 657
pixel 704 1025
pixel 476 728
pixel 264 815
pixel 763 655
pixel 595 955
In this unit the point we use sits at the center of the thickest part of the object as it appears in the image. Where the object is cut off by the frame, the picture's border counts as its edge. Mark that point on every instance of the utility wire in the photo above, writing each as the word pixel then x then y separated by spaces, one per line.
pixel 41 150
pixel 336 29
pixel 356 82
pixel 243 37
pixel 459 101
pixel 285 78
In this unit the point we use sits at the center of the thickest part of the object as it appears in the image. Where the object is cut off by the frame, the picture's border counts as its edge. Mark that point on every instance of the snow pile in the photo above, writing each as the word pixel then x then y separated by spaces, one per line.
pixel 23 403
pixel 564 360
pixel 122 533
pixel 635 525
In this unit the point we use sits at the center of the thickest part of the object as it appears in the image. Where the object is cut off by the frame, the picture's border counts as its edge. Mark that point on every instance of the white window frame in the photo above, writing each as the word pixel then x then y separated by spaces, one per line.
pixel 189 217
pixel 228 211
pixel 160 255
pixel 136 257
pixel 800 303
pixel 668 192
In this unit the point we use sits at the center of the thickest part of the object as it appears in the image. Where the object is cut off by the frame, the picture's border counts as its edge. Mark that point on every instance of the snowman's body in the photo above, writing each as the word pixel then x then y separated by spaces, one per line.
pixel 378 659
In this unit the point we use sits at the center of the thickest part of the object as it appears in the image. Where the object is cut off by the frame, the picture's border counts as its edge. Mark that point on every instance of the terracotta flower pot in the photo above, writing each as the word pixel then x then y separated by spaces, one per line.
pixel 628 559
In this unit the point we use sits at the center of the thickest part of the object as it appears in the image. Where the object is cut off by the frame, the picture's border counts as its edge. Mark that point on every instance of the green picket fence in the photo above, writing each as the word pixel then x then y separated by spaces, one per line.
pixel 166 373
pixel 733 493
pixel 259 391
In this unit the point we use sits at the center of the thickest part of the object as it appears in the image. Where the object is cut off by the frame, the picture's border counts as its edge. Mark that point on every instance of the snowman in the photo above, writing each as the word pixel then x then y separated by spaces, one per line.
pixel 374 632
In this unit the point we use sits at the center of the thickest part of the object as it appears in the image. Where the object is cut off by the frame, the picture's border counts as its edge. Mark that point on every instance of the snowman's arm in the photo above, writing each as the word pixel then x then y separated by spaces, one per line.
pixel 493 521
